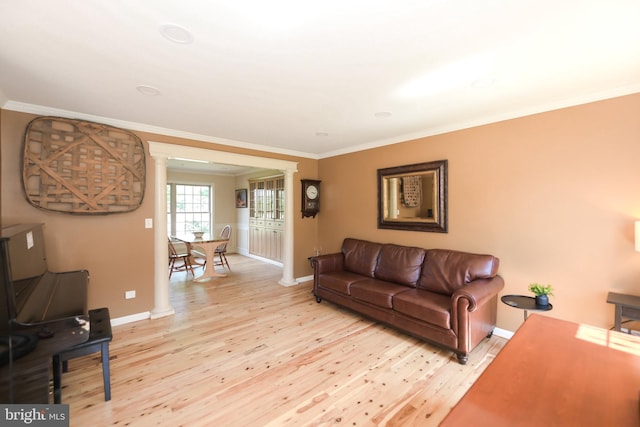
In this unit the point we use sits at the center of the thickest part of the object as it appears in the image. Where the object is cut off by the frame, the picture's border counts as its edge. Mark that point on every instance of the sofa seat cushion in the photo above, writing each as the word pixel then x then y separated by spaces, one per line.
pixel 339 281
pixel 427 306
pixel 377 292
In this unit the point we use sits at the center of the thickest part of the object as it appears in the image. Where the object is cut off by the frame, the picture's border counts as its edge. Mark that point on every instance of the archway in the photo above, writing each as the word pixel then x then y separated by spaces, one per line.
pixel 161 152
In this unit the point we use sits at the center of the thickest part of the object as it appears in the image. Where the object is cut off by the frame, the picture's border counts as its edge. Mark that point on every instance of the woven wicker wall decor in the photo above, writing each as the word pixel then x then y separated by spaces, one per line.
pixel 81 167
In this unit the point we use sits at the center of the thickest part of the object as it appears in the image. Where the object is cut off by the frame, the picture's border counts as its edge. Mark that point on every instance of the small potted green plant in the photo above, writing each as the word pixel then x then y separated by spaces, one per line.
pixel 542 293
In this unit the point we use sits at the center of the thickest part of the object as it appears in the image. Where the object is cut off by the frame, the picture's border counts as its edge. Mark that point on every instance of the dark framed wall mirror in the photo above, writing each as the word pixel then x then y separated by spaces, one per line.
pixel 413 197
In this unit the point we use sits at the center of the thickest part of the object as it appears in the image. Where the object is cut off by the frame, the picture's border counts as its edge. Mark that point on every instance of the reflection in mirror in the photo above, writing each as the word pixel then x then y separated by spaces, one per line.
pixel 410 197
pixel 413 197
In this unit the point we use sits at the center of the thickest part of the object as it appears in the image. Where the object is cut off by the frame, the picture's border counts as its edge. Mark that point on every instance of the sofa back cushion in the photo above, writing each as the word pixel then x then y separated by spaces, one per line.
pixel 400 264
pixel 360 256
pixel 445 271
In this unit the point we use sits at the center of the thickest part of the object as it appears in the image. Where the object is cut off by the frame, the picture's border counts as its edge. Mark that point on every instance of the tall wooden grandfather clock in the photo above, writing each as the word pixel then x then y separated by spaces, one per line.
pixel 310 197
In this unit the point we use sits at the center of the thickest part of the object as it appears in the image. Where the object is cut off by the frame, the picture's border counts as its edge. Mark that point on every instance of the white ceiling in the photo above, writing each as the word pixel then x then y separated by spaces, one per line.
pixel 314 78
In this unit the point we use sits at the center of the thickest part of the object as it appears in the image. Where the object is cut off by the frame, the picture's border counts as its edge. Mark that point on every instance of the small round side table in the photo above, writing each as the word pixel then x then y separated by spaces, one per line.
pixel 524 303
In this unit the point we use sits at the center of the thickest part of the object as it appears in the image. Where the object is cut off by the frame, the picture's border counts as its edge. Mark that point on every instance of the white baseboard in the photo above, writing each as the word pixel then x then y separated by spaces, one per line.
pixel 502 333
pixel 270 261
pixel 305 278
pixel 131 318
pixel 267 260
pixel 629 331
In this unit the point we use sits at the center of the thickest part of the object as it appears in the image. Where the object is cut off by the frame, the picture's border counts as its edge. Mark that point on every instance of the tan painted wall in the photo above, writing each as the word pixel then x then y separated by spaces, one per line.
pixel 117 249
pixel 553 195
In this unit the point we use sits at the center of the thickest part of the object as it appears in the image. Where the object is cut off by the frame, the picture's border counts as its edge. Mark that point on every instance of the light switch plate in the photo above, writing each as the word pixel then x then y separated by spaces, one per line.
pixel 148 223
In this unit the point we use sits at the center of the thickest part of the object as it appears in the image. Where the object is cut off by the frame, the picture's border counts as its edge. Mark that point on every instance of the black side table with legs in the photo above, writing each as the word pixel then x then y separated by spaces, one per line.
pixel 627 306
pixel 524 303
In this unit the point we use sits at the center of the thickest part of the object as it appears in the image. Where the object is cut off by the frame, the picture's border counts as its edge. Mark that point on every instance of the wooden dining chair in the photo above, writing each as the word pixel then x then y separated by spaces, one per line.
pixel 183 255
pixel 221 250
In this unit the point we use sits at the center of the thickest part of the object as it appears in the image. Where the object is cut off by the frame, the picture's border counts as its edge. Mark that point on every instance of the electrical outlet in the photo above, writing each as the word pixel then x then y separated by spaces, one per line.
pixel 129 294
pixel 148 223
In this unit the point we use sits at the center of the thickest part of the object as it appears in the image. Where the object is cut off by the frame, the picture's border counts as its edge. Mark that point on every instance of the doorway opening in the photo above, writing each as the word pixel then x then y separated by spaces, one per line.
pixel 161 152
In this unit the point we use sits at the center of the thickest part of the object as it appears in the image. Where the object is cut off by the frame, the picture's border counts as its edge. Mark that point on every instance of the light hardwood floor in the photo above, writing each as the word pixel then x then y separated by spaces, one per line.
pixel 245 351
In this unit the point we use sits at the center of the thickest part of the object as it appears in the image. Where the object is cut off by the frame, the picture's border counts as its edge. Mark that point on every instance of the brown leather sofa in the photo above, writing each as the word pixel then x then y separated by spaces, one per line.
pixel 442 296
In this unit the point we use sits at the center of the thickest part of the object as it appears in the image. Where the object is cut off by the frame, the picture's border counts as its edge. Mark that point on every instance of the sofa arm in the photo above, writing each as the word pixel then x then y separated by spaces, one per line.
pixel 477 292
pixel 471 297
pixel 327 263
pixel 473 313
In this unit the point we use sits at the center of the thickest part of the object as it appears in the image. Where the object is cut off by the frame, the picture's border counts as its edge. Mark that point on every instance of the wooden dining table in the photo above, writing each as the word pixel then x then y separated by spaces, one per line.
pixel 209 244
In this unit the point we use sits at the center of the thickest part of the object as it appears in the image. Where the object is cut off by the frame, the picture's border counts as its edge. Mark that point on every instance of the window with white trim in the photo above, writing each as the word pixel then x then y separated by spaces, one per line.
pixel 188 208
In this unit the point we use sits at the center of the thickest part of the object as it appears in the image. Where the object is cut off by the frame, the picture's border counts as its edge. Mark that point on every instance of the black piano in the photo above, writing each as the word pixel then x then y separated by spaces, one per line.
pixel 41 313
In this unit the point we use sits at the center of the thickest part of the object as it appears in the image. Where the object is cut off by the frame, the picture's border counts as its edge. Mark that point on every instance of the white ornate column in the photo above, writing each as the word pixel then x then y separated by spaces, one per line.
pixel 162 307
pixel 287 259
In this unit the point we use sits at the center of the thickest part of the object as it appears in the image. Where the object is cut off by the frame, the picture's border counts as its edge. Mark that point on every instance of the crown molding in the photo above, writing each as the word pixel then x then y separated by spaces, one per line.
pixel 142 127
pixel 437 130
pixel 494 118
